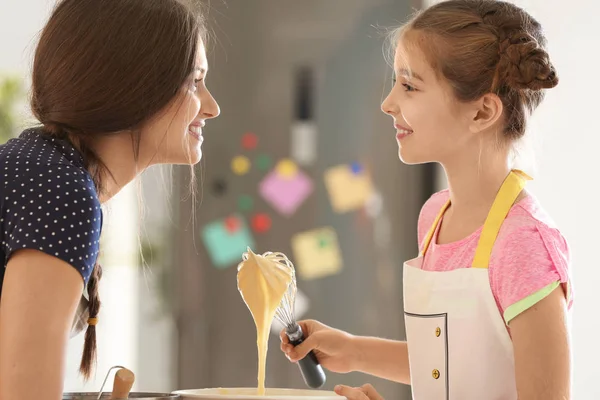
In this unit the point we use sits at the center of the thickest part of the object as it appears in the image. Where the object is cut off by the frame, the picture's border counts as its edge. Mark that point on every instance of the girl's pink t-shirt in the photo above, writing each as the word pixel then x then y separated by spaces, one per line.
pixel 529 254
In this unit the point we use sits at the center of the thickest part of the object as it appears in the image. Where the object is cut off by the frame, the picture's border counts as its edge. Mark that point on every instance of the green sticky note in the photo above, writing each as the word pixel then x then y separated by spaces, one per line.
pixel 226 241
pixel 245 203
pixel 263 162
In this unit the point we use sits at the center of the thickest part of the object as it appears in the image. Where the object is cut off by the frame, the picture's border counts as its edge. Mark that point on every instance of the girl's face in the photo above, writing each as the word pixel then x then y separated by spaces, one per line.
pixel 174 136
pixel 431 124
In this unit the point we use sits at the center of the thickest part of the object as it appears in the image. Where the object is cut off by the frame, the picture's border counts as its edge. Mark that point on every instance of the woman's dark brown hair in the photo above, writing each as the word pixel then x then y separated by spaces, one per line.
pixel 107 66
pixel 486 46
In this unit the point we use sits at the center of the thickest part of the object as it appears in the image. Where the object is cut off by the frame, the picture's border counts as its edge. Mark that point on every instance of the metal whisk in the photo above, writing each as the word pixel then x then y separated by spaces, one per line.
pixel 311 370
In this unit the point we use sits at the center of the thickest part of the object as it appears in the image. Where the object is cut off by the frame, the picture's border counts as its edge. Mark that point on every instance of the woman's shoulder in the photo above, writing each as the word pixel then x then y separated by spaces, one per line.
pixel 36 161
pixel 33 149
pixel 48 201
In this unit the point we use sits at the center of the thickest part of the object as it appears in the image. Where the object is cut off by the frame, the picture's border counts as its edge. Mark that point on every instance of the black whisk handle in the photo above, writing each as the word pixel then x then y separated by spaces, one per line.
pixel 311 370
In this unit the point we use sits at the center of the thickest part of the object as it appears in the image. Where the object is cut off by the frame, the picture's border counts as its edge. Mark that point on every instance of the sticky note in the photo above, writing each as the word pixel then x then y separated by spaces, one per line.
pixel 316 253
pixel 249 141
pixel 226 240
pixel 349 187
pixel 240 165
pixel 283 191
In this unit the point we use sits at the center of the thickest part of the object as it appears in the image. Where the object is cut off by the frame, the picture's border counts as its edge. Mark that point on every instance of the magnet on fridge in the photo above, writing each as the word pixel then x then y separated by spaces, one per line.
pixel 240 165
pixel 356 168
pixel 317 253
pixel 226 239
pixel 249 141
pixel 349 187
pixel 286 168
pixel 263 162
pixel 245 203
pixel 286 187
pixel 219 187
pixel 261 223
pixel 232 224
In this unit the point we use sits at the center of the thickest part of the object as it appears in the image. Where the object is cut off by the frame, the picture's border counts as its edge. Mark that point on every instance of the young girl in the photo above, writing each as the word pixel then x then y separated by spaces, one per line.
pixel 486 300
pixel 117 86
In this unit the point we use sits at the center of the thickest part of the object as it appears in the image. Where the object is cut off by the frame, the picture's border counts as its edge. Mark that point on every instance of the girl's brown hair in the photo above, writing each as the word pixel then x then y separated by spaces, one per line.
pixel 107 66
pixel 486 46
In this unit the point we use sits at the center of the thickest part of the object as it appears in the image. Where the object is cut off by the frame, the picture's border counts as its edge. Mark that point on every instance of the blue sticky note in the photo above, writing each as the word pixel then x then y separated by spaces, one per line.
pixel 225 245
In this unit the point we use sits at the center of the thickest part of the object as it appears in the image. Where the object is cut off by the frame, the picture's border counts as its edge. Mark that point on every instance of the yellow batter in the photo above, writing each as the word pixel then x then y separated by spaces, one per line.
pixel 262 282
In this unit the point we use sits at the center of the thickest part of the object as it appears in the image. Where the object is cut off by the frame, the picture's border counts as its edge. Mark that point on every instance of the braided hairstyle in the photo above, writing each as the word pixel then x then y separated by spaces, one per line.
pixel 104 67
pixel 486 46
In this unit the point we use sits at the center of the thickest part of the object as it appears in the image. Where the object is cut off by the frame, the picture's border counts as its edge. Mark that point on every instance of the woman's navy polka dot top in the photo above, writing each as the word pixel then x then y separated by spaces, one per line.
pixel 48 202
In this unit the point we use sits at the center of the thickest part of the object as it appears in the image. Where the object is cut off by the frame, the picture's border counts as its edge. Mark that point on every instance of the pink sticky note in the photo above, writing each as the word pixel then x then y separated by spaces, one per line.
pixel 286 194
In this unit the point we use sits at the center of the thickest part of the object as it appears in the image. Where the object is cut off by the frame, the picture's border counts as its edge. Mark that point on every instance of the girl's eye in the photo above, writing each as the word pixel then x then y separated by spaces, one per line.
pixel 408 87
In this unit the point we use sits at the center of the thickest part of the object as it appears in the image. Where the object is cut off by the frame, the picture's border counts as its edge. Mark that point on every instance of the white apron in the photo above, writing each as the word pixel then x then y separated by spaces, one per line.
pixel 458 344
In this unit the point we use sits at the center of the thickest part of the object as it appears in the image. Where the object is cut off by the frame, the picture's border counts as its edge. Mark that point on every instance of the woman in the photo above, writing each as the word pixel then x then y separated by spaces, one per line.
pixel 117 86
pixel 486 300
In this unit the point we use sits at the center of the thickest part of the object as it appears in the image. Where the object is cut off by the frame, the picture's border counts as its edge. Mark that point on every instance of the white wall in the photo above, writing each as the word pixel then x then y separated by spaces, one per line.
pixel 566 140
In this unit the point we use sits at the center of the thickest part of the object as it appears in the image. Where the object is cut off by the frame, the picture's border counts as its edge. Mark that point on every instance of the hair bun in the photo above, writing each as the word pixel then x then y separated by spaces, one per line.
pixel 524 64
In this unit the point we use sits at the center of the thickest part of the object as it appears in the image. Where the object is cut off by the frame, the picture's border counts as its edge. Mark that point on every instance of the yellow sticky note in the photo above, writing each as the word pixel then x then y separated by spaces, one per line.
pixel 240 165
pixel 316 253
pixel 349 187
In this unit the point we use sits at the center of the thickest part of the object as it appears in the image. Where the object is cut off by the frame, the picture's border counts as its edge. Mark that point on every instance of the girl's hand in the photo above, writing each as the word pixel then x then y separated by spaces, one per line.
pixel 332 347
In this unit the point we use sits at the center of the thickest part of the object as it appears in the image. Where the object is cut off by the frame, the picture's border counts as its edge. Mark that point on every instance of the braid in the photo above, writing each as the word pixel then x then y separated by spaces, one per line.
pixel 95 168
pixel 90 346
pixel 523 63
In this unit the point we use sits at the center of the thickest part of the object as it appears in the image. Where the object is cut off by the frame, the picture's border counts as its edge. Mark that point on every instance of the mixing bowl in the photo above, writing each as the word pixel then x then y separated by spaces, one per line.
pixel 132 395
pixel 250 394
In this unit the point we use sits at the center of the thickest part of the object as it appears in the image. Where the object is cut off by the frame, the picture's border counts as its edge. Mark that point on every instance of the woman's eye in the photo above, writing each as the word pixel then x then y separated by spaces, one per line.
pixel 196 83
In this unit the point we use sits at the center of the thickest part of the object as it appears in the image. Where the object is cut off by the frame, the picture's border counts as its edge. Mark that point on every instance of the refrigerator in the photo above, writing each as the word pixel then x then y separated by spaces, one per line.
pixel 275 66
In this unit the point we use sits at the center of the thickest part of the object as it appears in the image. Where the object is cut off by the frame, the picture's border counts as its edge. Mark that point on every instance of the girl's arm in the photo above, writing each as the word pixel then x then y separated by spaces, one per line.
pixel 542 350
pixel 387 359
pixel 40 294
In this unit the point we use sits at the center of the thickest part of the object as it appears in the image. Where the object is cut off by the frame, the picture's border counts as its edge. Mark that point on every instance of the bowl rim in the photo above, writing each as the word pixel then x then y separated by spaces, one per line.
pixel 144 394
pixel 319 394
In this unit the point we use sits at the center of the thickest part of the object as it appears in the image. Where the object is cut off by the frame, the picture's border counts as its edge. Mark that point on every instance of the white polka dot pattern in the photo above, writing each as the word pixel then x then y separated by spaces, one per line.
pixel 48 202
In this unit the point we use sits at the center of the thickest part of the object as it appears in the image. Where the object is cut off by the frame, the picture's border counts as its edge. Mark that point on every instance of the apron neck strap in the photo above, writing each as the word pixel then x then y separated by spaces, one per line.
pixel 509 191
pixel 436 222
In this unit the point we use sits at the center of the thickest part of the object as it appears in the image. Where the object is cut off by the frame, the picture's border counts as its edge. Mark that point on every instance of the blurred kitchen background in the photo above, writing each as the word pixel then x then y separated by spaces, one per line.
pixel 302 161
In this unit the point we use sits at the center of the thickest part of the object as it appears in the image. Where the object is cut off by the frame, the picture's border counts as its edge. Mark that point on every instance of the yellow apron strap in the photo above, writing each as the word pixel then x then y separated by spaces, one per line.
pixel 511 188
pixel 427 240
